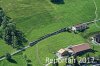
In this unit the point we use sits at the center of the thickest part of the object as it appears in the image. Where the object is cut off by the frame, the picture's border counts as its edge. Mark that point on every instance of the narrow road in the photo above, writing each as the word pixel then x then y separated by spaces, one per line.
pixel 96 14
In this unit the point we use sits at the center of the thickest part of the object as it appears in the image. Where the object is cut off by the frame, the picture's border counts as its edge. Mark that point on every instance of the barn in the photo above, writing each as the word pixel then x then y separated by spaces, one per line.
pixel 79 48
pixel 72 50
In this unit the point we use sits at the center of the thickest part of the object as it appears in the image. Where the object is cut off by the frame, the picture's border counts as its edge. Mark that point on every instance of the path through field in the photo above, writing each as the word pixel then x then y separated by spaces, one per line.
pixel 96 14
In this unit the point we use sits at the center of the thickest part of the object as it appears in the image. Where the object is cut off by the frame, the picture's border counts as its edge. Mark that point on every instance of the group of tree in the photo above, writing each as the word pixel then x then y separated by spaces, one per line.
pixel 57 1
pixel 8 31
pixel 8 56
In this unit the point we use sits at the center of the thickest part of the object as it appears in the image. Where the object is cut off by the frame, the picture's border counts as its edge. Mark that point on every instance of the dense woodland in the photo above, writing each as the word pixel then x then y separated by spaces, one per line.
pixel 8 31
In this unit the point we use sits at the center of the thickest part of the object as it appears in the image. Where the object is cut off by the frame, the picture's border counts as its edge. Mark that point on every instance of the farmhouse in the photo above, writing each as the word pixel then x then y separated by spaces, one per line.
pixel 72 50
pixel 79 27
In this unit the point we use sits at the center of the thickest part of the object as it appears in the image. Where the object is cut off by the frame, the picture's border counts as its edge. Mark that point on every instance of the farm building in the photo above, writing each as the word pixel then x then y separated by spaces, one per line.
pixel 79 27
pixel 79 48
pixel 62 52
pixel 73 49
pixel 97 38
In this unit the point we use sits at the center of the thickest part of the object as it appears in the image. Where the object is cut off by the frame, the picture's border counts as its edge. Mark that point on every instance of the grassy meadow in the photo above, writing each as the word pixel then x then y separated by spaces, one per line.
pixel 40 17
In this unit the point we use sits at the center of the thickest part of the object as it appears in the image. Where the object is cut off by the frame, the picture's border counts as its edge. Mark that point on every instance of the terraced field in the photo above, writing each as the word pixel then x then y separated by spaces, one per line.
pixel 40 17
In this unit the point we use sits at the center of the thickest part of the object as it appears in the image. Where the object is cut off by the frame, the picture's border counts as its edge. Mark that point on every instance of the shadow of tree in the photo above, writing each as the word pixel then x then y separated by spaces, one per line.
pixel 28 61
pixel 57 1
pixel 29 64
pixel 12 61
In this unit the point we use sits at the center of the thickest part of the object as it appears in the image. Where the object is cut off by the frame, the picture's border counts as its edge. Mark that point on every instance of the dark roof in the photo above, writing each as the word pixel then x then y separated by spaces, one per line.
pixel 81 26
pixel 97 38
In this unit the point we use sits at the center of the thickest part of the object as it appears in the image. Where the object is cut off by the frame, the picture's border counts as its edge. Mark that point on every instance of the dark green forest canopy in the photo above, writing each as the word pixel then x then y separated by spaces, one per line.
pixel 8 31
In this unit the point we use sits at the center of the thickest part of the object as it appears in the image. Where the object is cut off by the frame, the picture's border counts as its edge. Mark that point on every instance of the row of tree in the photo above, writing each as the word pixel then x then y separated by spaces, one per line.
pixel 8 31
pixel 57 1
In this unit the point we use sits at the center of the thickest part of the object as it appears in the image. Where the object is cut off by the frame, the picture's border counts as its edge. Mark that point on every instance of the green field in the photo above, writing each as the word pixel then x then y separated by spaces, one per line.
pixel 40 17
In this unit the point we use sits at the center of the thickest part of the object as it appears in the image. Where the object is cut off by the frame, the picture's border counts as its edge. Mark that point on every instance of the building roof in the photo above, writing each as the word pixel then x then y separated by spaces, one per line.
pixel 69 50
pixel 80 47
pixel 97 38
pixel 81 26
pixel 61 51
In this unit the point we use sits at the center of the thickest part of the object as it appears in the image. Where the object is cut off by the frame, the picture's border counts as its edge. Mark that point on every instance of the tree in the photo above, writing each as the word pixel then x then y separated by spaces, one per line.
pixel 8 56
pixel 5 21
pixel 20 37
pixel 14 40
pixel 58 1
pixel 1 15
pixel 12 36
pixel 8 31
pixel 1 32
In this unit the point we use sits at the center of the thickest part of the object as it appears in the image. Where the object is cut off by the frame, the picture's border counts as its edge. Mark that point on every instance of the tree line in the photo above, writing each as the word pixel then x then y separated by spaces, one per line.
pixel 8 31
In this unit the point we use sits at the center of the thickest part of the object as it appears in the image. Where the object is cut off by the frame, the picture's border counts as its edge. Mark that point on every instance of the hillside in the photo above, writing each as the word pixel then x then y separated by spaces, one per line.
pixel 40 17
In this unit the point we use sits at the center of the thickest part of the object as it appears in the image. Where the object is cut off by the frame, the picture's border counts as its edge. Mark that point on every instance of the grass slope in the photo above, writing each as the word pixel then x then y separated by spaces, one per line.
pixel 39 17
